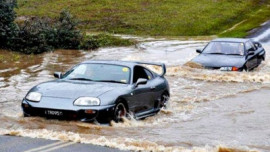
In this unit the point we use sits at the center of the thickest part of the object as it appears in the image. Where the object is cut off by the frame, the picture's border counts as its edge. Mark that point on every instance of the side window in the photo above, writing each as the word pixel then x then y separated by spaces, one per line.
pixel 139 72
pixel 252 45
pixel 149 74
pixel 248 46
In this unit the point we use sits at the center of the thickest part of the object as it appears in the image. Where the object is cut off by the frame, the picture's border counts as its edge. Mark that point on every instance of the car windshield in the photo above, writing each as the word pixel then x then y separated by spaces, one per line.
pixel 228 48
pixel 99 72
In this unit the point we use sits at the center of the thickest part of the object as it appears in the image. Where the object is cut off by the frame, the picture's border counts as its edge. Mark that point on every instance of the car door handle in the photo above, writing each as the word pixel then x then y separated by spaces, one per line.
pixel 152 87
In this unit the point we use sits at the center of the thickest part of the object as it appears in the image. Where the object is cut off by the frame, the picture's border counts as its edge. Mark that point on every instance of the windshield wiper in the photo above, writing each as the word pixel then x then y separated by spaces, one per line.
pixel 84 79
pixel 113 81
pixel 215 53
pixel 233 54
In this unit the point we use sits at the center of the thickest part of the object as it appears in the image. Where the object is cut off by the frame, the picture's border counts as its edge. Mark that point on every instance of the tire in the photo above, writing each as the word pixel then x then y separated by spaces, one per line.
pixel 164 100
pixel 246 69
pixel 26 115
pixel 260 59
pixel 120 111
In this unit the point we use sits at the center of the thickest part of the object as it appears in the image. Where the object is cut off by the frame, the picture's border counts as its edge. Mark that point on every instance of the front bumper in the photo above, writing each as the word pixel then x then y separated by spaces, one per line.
pixel 225 68
pixel 78 113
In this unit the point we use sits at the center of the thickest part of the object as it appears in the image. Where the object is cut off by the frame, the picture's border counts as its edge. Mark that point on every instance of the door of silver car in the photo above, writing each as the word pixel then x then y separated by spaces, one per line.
pixel 153 83
pixel 142 94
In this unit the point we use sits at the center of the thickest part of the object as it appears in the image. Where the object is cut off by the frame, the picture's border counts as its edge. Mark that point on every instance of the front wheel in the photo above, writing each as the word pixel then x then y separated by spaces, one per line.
pixel 26 115
pixel 120 111
pixel 246 68
pixel 164 100
pixel 260 59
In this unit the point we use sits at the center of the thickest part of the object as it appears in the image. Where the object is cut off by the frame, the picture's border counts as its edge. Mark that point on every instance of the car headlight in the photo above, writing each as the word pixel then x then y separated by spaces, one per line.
pixel 87 101
pixel 34 96
pixel 229 68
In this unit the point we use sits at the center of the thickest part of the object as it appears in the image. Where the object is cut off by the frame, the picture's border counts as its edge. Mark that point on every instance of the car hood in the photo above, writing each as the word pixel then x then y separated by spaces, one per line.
pixel 74 89
pixel 218 60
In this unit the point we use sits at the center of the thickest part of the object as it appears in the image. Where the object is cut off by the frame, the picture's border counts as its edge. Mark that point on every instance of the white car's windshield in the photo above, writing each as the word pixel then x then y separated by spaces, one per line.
pixel 99 72
pixel 228 48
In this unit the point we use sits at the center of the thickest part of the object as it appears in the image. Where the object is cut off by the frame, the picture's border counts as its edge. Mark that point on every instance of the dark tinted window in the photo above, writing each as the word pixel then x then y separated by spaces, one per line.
pixel 139 72
pixel 248 46
pixel 252 45
pixel 224 48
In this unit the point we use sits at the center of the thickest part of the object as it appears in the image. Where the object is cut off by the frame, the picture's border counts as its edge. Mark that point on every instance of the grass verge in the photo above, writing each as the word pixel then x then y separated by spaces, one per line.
pixel 252 20
pixel 91 42
pixel 156 17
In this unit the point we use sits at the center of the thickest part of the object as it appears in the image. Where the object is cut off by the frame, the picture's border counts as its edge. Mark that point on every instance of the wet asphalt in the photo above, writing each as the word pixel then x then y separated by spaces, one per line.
pixel 24 144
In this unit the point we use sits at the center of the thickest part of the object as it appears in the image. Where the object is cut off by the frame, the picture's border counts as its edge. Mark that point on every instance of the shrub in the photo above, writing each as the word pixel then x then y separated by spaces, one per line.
pixel 89 43
pixel 103 40
pixel 33 36
pixel 37 35
pixel 8 29
pixel 65 32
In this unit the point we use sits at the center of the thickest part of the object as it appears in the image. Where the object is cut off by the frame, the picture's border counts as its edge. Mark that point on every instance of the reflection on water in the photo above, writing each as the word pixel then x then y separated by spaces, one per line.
pixel 209 109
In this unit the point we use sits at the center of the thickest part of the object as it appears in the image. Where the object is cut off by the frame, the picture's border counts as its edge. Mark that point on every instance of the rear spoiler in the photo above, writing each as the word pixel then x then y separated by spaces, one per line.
pixel 163 66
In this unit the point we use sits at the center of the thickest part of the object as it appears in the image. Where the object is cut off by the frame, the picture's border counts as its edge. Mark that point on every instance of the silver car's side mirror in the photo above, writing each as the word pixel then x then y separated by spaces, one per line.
pixel 141 81
pixel 57 75
pixel 198 50
pixel 251 53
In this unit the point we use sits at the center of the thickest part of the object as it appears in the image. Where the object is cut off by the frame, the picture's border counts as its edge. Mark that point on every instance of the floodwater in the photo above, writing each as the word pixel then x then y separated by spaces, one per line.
pixel 209 110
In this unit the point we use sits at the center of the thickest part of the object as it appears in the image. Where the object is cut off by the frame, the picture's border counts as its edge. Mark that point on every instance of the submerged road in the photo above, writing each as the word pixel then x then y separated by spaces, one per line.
pixel 235 115
pixel 24 144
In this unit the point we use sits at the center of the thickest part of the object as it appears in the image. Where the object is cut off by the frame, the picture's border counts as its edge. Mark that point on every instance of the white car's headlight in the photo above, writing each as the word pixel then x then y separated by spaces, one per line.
pixel 229 68
pixel 34 96
pixel 87 101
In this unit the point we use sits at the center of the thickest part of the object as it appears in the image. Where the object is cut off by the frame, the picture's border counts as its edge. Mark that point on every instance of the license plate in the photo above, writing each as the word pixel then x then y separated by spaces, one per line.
pixel 226 68
pixel 53 113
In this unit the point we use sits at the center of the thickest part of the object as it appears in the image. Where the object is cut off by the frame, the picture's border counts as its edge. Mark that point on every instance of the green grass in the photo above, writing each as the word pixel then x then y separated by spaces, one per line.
pixel 253 20
pixel 156 17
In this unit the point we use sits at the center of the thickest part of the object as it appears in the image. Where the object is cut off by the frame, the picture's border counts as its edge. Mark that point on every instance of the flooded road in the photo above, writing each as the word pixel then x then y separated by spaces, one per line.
pixel 209 109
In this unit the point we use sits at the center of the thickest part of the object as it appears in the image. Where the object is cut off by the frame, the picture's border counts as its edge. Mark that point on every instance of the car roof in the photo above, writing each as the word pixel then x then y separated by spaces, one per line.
pixel 238 40
pixel 114 62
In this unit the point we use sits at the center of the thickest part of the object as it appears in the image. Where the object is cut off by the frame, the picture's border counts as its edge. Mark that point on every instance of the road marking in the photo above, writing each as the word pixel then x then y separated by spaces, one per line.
pixel 46 146
pixel 59 146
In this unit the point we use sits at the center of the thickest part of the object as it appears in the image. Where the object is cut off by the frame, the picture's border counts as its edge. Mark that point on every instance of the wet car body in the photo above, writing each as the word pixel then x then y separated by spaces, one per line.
pixel 253 55
pixel 144 94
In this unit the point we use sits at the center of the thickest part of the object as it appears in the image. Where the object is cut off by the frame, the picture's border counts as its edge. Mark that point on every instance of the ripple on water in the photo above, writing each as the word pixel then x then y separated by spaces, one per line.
pixel 191 87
